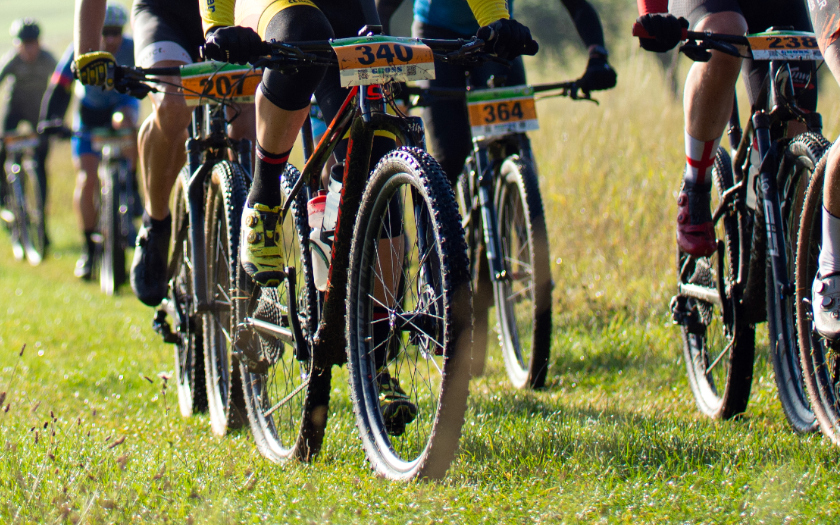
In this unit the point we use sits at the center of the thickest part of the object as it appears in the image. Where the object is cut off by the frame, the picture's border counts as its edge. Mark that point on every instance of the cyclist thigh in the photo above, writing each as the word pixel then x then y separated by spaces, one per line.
pixel 826 20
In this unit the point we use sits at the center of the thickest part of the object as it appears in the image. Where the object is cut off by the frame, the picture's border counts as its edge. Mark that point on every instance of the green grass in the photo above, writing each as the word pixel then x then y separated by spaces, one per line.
pixel 91 435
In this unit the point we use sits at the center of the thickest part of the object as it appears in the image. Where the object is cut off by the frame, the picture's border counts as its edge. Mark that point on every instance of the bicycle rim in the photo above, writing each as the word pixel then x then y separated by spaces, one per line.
pixel 225 198
pixel 409 316
pixel 523 294
pixel 287 403
pixel 35 240
pixel 718 349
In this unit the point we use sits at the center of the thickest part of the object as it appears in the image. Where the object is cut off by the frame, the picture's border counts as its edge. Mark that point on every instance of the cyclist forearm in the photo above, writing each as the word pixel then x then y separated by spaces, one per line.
pixel 586 21
pixel 89 17
pixel 386 9
pixel 55 102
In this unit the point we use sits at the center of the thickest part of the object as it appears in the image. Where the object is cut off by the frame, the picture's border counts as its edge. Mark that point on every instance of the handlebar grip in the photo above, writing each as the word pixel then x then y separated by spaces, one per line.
pixel 531 48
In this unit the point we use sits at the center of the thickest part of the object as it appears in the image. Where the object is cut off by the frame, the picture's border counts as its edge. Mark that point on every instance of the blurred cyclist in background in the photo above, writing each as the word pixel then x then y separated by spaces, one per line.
pixel 97 109
pixel 29 67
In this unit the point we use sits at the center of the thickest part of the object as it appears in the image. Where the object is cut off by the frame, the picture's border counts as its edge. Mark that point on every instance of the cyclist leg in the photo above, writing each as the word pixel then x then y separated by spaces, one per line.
pixel 707 102
pixel 163 38
pixel 86 163
pixel 826 289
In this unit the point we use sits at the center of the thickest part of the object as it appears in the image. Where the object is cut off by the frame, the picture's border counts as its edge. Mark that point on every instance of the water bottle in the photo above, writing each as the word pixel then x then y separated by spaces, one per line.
pixel 318 249
pixel 333 198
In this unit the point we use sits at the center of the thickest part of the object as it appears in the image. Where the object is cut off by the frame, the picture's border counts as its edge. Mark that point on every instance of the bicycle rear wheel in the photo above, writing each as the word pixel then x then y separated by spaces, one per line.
pixel 112 249
pixel 801 157
pixel 523 295
pixel 819 357
pixel 288 399
pixel 226 194
pixel 718 343
pixel 189 350
pixel 409 316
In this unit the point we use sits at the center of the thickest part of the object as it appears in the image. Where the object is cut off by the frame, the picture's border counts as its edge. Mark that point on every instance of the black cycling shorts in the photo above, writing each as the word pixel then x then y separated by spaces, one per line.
pixel 166 30
pixel 760 16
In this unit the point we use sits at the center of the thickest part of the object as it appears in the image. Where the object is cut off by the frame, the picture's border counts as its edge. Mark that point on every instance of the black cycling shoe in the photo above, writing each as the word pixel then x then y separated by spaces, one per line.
pixel 148 270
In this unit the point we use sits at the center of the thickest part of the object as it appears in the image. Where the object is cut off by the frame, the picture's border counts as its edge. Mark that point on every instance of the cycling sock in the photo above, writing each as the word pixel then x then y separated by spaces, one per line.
pixel 159 225
pixel 89 242
pixel 267 171
pixel 830 251
pixel 380 329
pixel 699 159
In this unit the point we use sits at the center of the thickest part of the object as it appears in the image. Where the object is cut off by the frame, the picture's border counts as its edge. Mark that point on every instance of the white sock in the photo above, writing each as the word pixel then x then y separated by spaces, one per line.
pixel 830 251
pixel 699 160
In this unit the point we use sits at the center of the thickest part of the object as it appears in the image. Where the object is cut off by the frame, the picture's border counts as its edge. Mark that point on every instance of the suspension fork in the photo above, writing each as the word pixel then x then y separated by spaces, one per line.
pixel 772 207
pixel 485 170
pixel 195 208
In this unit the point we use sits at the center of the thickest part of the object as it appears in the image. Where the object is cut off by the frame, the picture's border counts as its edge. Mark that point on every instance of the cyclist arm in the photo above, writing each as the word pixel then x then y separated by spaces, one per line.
pixel 57 97
pixel 488 11
pixel 586 21
pixel 87 28
pixel 216 13
pixel 652 6
pixel 6 66
pixel 386 9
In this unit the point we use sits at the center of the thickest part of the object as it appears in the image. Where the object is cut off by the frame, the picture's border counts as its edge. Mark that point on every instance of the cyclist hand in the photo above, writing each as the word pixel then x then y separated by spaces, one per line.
pixel 508 39
pixel 51 127
pixel 666 31
pixel 598 75
pixel 94 69
pixel 235 44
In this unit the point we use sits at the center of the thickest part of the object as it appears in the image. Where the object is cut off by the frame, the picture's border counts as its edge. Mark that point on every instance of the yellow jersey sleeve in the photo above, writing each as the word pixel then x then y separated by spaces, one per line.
pixel 485 11
pixel 216 13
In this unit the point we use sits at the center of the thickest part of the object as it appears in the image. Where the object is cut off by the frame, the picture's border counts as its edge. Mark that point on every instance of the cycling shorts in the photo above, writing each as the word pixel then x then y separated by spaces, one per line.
pixel 760 16
pixel 88 119
pixel 166 30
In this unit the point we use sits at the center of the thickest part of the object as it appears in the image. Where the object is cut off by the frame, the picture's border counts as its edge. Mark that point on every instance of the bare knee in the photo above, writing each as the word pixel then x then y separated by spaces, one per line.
pixel 87 177
pixel 172 115
pixel 730 23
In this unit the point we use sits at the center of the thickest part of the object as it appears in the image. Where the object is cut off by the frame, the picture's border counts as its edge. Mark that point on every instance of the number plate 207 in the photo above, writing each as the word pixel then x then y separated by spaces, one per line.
pixel 238 86
pixel 495 116
pixel 780 46
pixel 376 60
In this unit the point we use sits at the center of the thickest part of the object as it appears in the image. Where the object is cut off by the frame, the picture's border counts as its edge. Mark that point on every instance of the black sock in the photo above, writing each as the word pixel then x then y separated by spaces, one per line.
pixel 154 224
pixel 267 171
pixel 90 245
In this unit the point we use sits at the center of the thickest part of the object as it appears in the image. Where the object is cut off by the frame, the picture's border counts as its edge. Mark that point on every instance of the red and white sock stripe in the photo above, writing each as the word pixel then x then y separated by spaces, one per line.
pixel 699 159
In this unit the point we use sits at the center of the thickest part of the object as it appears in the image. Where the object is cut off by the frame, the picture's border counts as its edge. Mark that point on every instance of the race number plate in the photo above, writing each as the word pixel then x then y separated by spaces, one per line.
pixel 15 143
pixel 500 111
pixel 205 81
pixel 784 45
pixel 378 59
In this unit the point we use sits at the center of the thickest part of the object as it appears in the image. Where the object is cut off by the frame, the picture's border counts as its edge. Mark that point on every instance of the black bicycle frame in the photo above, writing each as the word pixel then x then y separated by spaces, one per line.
pixel 363 112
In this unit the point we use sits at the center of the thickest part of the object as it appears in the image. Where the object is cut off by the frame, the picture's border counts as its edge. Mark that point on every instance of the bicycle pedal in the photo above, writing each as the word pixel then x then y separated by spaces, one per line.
pixel 162 327
pixel 246 349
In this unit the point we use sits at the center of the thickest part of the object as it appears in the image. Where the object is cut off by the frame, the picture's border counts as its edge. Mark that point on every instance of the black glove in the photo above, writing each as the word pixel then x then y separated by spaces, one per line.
pixel 598 75
pixel 666 30
pixel 51 127
pixel 235 44
pixel 508 39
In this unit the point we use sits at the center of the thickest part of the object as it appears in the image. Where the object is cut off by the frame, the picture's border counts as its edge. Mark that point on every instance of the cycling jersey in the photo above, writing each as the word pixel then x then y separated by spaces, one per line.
pixel 29 81
pixel 221 12
pixel 454 15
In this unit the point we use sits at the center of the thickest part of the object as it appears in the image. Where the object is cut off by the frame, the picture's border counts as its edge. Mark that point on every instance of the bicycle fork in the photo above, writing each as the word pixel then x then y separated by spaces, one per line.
pixel 489 215
pixel 772 206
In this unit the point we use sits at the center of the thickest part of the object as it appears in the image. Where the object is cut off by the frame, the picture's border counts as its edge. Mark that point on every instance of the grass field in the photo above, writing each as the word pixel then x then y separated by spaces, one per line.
pixel 90 433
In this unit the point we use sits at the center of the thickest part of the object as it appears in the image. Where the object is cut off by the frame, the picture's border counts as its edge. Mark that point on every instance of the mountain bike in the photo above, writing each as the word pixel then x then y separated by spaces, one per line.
pixel 502 214
pixel 115 233
pixel 206 208
pixel 759 197
pixel 397 266
pixel 24 207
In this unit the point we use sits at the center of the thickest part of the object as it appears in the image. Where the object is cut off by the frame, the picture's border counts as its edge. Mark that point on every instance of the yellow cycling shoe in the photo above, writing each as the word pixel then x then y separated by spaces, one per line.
pixel 260 250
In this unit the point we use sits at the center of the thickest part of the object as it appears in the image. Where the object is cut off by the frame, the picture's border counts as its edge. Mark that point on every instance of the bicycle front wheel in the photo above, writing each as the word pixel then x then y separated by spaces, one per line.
pixel 819 357
pixel 409 318
pixel 112 250
pixel 287 400
pixel 29 213
pixel 226 195
pixel 189 349
pixel 718 342
pixel 801 158
pixel 523 294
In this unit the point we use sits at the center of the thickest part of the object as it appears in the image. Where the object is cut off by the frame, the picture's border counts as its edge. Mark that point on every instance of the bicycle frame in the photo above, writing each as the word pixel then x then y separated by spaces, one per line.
pixel 20 160
pixel 362 113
